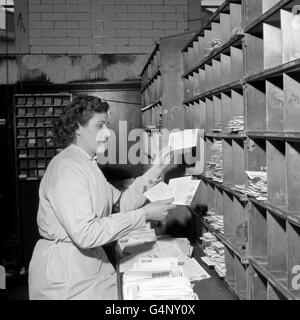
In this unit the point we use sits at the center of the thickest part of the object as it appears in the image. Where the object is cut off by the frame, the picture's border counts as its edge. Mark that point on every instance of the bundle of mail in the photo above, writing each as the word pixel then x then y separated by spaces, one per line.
pixel 257 185
pixel 179 249
pixel 237 30
pixel 217 127
pixel 214 166
pixel 181 189
pixel 215 221
pixel 235 124
pixel 137 237
pixel 157 279
pixel 215 254
pixel 164 246
pixel 214 46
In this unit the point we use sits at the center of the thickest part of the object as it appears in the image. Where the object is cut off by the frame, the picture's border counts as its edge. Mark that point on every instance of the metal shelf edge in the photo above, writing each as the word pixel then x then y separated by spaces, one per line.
pixel 150 57
pixel 231 41
pixel 273 72
pixel 233 85
pixel 211 19
pixel 152 79
pixel 221 237
pixel 266 15
pixel 270 277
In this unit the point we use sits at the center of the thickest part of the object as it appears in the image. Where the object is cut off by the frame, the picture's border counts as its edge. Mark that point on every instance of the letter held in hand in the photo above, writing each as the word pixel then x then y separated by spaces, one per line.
pixel 182 190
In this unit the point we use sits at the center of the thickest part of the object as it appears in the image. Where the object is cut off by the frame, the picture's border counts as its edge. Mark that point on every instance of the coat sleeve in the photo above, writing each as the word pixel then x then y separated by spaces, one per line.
pixel 71 200
pixel 133 197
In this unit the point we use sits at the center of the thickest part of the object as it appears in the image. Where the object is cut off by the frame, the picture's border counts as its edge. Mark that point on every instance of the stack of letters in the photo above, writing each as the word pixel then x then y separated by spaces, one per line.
pixel 257 185
pixel 156 270
pixel 215 221
pixel 215 255
pixel 214 166
pixel 157 279
pixel 217 127
pixel 214 46
pixel 137 237
pixel 235 124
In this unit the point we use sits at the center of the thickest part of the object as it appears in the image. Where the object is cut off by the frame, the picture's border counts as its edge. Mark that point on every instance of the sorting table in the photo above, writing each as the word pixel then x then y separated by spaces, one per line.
pixel 213 288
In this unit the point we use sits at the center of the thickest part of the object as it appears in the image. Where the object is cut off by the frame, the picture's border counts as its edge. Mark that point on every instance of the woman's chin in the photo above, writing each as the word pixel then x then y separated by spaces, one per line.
pixel 101 149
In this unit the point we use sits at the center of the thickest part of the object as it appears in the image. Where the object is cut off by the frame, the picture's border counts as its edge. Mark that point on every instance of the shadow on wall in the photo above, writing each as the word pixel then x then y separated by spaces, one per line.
pixel 66 69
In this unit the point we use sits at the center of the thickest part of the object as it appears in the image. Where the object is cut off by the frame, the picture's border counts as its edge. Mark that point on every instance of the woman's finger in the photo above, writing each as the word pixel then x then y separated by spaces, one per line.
pixel 167 201
pixel 171 206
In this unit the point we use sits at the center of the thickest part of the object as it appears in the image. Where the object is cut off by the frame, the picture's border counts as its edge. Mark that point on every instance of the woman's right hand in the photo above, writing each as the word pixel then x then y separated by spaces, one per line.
pixel 157 211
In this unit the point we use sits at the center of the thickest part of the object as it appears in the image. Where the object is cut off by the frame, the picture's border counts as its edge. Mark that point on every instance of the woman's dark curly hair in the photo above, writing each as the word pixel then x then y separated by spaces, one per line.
pixel 80 110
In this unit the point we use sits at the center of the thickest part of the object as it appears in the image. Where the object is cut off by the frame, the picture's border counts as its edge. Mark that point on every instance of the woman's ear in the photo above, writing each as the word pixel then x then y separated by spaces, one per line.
pixel 77 131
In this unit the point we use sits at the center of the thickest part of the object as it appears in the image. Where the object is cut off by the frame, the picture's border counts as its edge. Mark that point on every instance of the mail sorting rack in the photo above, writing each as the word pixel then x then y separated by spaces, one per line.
pixel 256 239
pixel 268 95
pixel 34 119
pixel 152 90
pixel 214 57
pixel 162 89
pixel 162 96
pixel 162 92
pixel 272 81
pixel 215 198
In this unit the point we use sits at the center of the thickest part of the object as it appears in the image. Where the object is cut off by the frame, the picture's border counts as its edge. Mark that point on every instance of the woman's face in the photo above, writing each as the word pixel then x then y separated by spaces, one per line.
pixel 93 136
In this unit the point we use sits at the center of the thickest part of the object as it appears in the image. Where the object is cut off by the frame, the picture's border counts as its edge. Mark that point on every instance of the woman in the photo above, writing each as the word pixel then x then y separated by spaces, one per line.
pixel 75 210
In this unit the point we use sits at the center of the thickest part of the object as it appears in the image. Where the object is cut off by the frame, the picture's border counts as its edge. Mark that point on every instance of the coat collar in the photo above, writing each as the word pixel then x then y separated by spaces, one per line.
pixel 74 146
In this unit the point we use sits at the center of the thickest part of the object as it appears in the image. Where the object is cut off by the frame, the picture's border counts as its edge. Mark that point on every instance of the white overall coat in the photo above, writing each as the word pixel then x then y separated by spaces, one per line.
pixel 74 220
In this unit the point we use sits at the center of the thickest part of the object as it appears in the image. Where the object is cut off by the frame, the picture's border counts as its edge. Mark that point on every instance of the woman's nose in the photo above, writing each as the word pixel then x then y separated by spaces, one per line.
pixel 107 132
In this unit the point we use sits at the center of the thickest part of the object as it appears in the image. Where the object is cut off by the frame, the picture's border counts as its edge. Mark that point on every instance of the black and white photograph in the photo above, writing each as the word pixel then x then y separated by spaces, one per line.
pixel 150 151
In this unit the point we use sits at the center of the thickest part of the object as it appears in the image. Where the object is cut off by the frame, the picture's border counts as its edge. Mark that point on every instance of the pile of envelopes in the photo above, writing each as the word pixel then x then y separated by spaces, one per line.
pixel 157 279
pixel 137 237
pixel 169 267
pixel 215 254
pixel 217 127
pixel 215 221
pixel 257 185
pixel 214 165
pixel 235 124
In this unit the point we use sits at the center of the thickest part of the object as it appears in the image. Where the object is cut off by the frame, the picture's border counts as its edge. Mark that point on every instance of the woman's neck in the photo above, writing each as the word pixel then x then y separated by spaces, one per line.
pixel 88 152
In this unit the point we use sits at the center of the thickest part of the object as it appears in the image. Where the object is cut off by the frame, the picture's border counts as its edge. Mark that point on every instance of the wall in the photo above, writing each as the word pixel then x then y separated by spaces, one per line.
pixel 89 29
pixel 194 15
pixel 103 26
pixel 20 45
pixel 65 69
